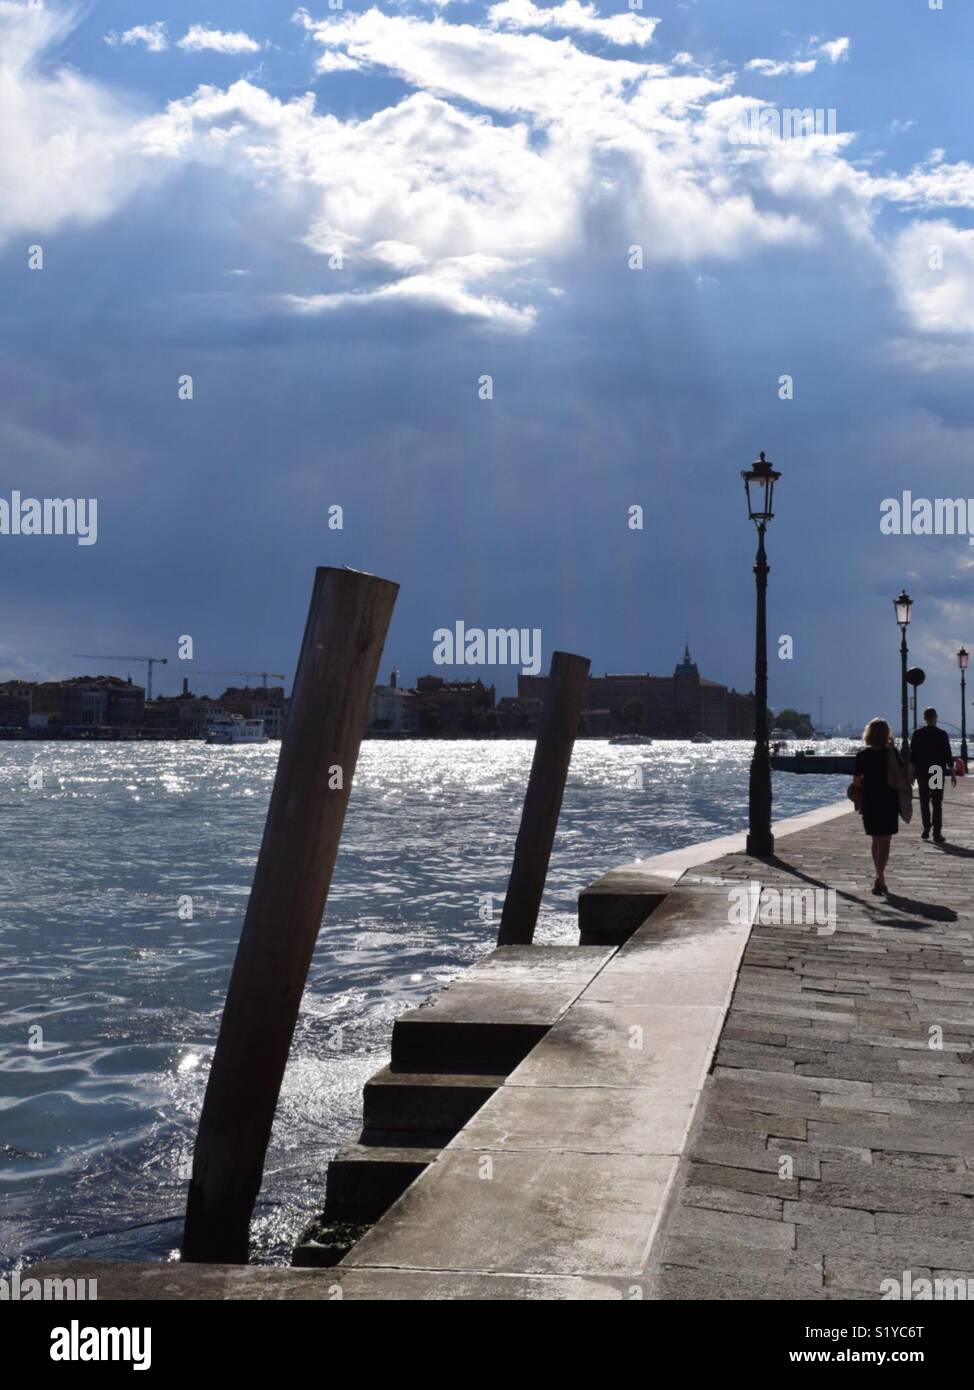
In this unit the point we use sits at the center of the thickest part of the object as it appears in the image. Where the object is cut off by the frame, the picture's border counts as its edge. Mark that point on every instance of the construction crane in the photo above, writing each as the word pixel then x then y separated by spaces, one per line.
pixel 150 661
pixel 277 675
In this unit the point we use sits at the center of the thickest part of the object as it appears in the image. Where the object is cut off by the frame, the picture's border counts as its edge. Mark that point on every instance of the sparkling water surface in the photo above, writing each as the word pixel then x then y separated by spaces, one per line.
pixel 110 999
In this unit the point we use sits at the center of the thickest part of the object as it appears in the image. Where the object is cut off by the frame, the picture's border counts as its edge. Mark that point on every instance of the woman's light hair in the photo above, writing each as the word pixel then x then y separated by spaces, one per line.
pixel 877 734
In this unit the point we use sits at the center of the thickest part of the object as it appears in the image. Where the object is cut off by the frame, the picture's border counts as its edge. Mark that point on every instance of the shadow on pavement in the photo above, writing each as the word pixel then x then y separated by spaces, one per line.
pixel 933 912
pixel 911 907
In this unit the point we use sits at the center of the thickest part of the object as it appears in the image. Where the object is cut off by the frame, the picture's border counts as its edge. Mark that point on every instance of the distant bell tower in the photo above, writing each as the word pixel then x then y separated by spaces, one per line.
pixel 687 715
pixel 687 667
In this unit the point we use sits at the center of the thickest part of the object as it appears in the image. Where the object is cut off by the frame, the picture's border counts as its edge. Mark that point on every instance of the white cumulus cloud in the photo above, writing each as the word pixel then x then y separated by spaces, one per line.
pixel 514 157
pixel 934 268
pixel 152 35
pixel 572 15
pixel 773 67
pixel 199 37
pixel 836 50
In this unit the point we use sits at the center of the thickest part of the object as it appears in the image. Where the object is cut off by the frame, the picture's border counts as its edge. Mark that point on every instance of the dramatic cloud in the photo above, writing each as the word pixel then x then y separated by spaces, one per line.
pixel 68 152
pixel 514 156
pixel 506 72
pixel 445 288
pixel 200 37
pixel 934 263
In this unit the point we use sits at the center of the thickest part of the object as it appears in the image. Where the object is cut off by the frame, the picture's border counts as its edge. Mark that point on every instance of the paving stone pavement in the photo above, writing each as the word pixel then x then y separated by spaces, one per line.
pixel 833 1147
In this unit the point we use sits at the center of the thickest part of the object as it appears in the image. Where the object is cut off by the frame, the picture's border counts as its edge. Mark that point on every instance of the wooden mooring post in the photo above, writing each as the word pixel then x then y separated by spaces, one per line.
pixel 343 639
pixel 542 800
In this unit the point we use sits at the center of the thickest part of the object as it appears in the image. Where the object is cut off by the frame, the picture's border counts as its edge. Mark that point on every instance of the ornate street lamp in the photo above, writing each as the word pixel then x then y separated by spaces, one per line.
pixel 962 660
pixel 759 481
pixel 903 607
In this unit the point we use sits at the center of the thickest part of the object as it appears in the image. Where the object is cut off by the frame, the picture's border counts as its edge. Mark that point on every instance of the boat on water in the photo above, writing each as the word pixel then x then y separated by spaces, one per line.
pixel 643 739
pixel 237 730
pixel 700 738
pixel 832 764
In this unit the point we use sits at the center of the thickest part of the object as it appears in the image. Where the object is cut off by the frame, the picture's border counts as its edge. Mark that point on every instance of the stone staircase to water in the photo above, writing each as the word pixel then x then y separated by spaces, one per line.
pixel 451 1054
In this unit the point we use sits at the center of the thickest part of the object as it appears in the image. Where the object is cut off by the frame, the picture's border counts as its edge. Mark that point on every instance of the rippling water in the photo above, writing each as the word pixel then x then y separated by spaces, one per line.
pixel 98 1108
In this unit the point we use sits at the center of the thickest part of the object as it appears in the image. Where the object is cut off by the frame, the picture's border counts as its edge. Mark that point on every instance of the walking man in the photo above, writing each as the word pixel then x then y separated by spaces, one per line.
pixel 932 761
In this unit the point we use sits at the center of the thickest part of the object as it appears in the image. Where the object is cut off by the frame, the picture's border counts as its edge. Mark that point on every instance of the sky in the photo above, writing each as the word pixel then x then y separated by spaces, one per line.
pixel 339 221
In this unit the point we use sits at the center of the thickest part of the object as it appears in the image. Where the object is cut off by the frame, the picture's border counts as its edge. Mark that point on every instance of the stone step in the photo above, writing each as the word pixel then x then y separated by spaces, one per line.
pixel 420 1039
pixel 491 1018
pixel 424 1103
pixel 365 1179
pixel 618 903
pixel 480 1025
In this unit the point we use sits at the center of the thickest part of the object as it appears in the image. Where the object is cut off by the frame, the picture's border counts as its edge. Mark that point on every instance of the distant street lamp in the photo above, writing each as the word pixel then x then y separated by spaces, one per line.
pixel 759 481
pixel 903 607
pixel 962 660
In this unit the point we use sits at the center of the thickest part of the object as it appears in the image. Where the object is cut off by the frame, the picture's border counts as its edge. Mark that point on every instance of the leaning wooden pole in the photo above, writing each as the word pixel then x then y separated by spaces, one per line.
pixel 343 639
pixel 542 800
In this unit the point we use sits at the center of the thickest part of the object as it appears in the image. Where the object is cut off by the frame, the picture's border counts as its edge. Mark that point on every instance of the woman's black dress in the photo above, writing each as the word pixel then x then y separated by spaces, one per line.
pixel 880 802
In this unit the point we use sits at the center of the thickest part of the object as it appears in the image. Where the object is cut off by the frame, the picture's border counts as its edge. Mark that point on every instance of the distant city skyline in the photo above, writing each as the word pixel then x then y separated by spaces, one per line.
pixel 168 682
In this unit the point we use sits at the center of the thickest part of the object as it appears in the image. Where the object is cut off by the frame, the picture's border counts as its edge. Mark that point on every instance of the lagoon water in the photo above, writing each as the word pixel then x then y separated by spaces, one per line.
pixel 110 997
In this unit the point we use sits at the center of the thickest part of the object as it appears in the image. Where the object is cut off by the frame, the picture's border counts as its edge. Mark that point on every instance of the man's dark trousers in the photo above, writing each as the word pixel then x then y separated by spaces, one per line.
pixel 930 751
pixel 931 801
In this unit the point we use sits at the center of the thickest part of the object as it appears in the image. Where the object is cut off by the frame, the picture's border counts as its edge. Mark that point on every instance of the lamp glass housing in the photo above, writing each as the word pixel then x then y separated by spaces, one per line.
pixel 759 481
pixel 903 606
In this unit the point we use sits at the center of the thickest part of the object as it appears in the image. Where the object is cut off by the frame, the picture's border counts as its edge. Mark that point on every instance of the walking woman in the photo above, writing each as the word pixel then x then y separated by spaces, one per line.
pixel 882 793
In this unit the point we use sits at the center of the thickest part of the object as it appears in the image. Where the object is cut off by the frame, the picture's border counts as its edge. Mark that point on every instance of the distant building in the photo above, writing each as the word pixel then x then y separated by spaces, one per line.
pixel 124 700
pixel 84 702
pixel 95 701
pixel 257 702
pixel 14 710
pixel 191 716
pixel 519 716
pixel 392 710
pixel 676 706
pixel 47 699
pixel 455 707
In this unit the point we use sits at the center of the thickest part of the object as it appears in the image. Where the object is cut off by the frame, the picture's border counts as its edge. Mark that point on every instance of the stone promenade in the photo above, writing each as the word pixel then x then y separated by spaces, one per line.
pixel 833 1145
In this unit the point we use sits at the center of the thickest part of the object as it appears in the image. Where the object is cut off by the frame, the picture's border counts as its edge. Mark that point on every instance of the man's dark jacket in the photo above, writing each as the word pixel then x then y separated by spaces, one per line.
pixel 930 747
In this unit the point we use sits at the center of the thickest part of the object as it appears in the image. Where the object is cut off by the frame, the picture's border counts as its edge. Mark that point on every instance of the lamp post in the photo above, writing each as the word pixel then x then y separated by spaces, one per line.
pixel 962 660
pixel 903 607
pixel 759 481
